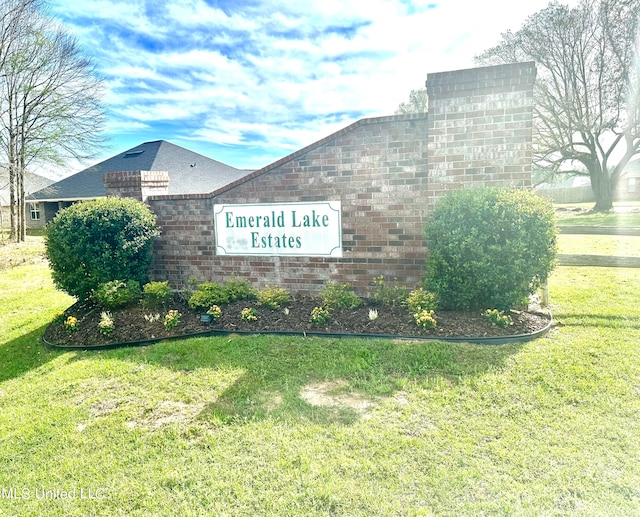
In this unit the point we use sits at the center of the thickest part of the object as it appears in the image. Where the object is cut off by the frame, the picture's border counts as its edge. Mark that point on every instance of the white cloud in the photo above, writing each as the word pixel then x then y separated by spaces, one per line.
pixel 268 78
pixel 199 14
pixel 126 126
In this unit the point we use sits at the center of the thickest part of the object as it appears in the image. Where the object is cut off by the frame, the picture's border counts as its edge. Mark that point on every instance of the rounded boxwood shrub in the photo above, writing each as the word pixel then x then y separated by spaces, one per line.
pixel 239 289
pixel 156 294
pixel 273 297
pixel 489 248
pixel 338 295
pixel 95 242
pixel 208 294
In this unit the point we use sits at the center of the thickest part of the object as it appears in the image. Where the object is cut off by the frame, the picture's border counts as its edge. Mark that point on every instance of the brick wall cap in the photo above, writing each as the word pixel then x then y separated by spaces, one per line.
pixel 481 77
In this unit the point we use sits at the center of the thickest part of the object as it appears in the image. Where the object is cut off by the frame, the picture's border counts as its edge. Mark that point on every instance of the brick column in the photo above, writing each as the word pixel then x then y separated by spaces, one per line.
pixel 136 184
pixel 480 127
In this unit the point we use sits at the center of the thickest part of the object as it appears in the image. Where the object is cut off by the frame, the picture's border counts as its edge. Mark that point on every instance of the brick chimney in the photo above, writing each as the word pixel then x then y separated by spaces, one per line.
pixel 136 184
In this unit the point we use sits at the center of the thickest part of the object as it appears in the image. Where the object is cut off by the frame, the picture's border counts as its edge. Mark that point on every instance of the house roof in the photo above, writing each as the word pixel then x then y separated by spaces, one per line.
pixel 189 173
pixel 632 170
pixel 32 183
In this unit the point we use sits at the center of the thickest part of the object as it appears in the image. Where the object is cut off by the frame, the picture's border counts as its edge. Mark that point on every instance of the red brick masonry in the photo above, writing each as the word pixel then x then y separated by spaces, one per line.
pixel 388 173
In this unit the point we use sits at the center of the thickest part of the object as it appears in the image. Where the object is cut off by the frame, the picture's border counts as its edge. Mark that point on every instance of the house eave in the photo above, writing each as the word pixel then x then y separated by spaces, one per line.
pixel 62 199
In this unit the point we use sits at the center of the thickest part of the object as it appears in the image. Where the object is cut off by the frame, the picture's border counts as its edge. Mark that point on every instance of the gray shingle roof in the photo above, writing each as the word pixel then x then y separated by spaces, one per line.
pixel 632 169
pixel 32 183
pixel 189 172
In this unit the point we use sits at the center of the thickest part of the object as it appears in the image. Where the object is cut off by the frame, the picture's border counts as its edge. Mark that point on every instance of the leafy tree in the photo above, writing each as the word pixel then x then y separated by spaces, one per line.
pixel 95 242
pixel 418 103
pixel 586 98
pixel 50 106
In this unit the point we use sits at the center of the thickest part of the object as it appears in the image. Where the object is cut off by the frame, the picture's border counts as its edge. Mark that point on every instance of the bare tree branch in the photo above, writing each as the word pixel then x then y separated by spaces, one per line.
pixel 50 97
pixel 586 101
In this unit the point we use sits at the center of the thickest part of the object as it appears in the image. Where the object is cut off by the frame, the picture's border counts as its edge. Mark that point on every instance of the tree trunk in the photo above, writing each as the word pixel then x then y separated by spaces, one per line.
pixel 13 203
pixel 602 191
pixel 13 195
pixel 22 227
pixel 20 156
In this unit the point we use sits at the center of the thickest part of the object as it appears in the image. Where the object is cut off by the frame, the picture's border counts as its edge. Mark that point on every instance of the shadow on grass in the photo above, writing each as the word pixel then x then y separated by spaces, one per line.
pixel 23 354
pixel 572 319
pixel 321 380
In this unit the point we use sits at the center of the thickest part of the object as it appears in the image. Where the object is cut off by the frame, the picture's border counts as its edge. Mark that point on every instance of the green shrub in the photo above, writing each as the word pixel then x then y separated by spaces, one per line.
pixel 117 293
pixel 239 289
pixel 383 294
pixel 155 294
pixel 489 247
pixel 421 300
pixel 206 295
pixel 339 296
pixel 273 297
pixel 94 242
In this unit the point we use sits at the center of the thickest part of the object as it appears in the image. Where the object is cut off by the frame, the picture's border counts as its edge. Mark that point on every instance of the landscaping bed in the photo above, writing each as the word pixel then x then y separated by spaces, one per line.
pixel 130 324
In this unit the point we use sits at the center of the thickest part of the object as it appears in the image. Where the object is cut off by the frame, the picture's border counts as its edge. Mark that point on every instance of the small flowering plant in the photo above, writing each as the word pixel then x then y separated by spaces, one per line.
pixel 425 319
pixel 106 324
pixel 497 318
pixel 373 314
pixel 58 317
pixel 171 319
pixel 249 314
pixel 319 315
pixel 71 324
pixel 215 312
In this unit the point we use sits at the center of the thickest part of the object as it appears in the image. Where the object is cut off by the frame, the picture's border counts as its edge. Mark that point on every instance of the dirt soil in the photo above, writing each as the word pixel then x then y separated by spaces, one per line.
pixel 131 325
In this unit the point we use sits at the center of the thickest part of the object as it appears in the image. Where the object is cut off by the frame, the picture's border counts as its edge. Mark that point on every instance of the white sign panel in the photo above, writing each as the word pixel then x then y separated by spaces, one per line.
pixel 283 229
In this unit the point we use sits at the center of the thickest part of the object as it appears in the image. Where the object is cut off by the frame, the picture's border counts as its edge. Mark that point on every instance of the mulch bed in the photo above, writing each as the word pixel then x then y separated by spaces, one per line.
pixel 131 325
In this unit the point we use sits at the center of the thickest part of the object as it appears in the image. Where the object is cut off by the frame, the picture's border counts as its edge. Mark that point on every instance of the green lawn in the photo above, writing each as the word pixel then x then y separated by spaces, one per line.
pixel 625 213
pixel 294 426
pixel 28 252
pixel 620 245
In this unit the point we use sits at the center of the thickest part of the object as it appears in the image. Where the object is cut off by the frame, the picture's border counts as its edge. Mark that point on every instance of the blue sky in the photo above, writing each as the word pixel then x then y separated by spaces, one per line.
pixel 248 82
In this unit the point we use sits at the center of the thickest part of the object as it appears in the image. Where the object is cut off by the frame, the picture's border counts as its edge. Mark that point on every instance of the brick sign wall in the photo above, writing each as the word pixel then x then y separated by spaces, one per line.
pixel 386 173
pixel 376 168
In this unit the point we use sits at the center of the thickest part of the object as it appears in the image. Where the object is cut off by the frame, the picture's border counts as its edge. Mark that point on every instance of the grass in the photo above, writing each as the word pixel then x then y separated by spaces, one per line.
pixel 625 213
pixel 625 204
pixel 293 426
pixel 29 252
pixel 602 244
pixel 603 219
pixel 620 245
